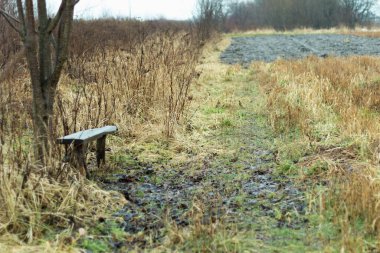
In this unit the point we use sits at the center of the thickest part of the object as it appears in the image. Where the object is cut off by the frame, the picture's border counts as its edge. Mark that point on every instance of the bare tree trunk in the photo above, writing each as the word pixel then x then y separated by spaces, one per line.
pixel 45 57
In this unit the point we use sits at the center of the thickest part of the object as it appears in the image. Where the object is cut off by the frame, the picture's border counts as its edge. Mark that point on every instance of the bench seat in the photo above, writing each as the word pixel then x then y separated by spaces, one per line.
pixel 79 140
pixel 86 136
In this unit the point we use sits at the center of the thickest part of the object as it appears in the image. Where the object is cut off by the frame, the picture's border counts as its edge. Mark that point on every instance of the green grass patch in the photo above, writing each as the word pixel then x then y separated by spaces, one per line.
pixel 103 237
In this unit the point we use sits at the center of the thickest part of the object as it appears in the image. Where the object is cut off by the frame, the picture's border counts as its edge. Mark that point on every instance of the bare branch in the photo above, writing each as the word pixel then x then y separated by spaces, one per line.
pixel 53 41
pixel 10 20
pixel 30 20
pixel 21 14
pixel 63 40
pixel 10 16
pixel 44 73
pixel 54 22
pixel 42 14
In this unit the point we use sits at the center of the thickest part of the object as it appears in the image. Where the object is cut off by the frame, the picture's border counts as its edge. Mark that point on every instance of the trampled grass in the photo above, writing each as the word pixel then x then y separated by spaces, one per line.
pixel 226 138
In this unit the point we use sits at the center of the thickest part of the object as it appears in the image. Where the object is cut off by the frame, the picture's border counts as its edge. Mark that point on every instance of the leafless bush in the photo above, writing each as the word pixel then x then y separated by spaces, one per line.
pixel 209 18
pixel 9 43
pixel 143 71
pixel 140 75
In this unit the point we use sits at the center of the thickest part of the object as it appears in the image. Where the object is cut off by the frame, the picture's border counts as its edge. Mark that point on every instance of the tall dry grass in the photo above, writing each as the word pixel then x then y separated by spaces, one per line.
pixel 36 200
pixel 142 70
pixel 148 82
pixel 136 77
pixel 335 103
pixel 340 96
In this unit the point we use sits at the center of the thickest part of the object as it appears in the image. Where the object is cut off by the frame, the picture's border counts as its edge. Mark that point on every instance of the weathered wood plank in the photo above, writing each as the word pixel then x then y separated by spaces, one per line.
pixel 79 141
pixel 101 150
pixel 78 159
pixel 87 135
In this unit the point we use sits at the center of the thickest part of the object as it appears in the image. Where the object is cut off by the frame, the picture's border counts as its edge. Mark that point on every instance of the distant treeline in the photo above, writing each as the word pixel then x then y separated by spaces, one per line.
pixel 284 14
pixel 288 14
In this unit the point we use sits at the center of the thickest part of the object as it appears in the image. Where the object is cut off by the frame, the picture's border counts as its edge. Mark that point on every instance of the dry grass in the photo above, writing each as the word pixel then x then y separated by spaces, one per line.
pixel 38 202
pixel 335 104
pixel 147 83
pixel 371 33
pixel 325 102
pixel 142 88
pixel 359 31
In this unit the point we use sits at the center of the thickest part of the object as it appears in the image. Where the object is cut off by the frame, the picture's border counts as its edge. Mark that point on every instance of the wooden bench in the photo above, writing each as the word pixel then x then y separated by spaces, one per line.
pixel 79 141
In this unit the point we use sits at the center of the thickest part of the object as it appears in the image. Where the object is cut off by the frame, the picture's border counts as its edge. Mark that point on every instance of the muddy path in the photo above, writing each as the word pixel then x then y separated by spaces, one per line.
pixel 227 195
pixel 244 50
pixel 243 191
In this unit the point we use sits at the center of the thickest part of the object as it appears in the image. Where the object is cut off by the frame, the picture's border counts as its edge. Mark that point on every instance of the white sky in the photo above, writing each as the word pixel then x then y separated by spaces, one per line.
pixel 377 7
pixel 146 9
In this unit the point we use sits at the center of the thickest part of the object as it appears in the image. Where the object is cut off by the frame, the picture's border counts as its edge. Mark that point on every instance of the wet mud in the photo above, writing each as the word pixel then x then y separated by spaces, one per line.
pixel 268 48
pixel 240 190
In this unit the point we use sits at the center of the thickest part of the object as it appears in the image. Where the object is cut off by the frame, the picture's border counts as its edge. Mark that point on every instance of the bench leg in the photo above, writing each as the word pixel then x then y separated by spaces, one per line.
pixel 101 151
pixel 79 159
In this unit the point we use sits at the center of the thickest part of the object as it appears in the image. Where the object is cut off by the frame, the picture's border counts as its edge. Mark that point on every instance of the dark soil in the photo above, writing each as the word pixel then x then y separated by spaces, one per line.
pixel 245 50
pixel 242 190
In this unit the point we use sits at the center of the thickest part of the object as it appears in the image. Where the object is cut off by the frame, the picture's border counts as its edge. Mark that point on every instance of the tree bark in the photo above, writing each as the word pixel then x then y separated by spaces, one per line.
pixel 45 61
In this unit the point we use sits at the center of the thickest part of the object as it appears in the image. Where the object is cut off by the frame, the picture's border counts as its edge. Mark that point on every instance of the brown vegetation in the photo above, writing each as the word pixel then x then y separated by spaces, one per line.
pixel 144 75
pixel 210 18
pixel 45 42
pixel 137 78
pixel 137 75
pixel 335 103
pixel 9 42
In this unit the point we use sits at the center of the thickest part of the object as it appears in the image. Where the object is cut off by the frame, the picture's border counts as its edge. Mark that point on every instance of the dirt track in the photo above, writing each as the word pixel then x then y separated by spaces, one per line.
pixel 244 50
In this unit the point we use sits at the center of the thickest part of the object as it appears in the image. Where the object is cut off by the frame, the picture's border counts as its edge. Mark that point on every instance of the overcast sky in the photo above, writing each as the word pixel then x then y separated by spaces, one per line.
pixel 377 8
pixel 146 9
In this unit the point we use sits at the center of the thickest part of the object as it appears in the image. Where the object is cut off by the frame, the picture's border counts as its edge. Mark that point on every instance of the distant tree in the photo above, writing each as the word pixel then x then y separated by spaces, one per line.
pixel 242 15
pixel 210 17
pixel 290 14
pixel 322 13
pixel 45 40
pixel 356 11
